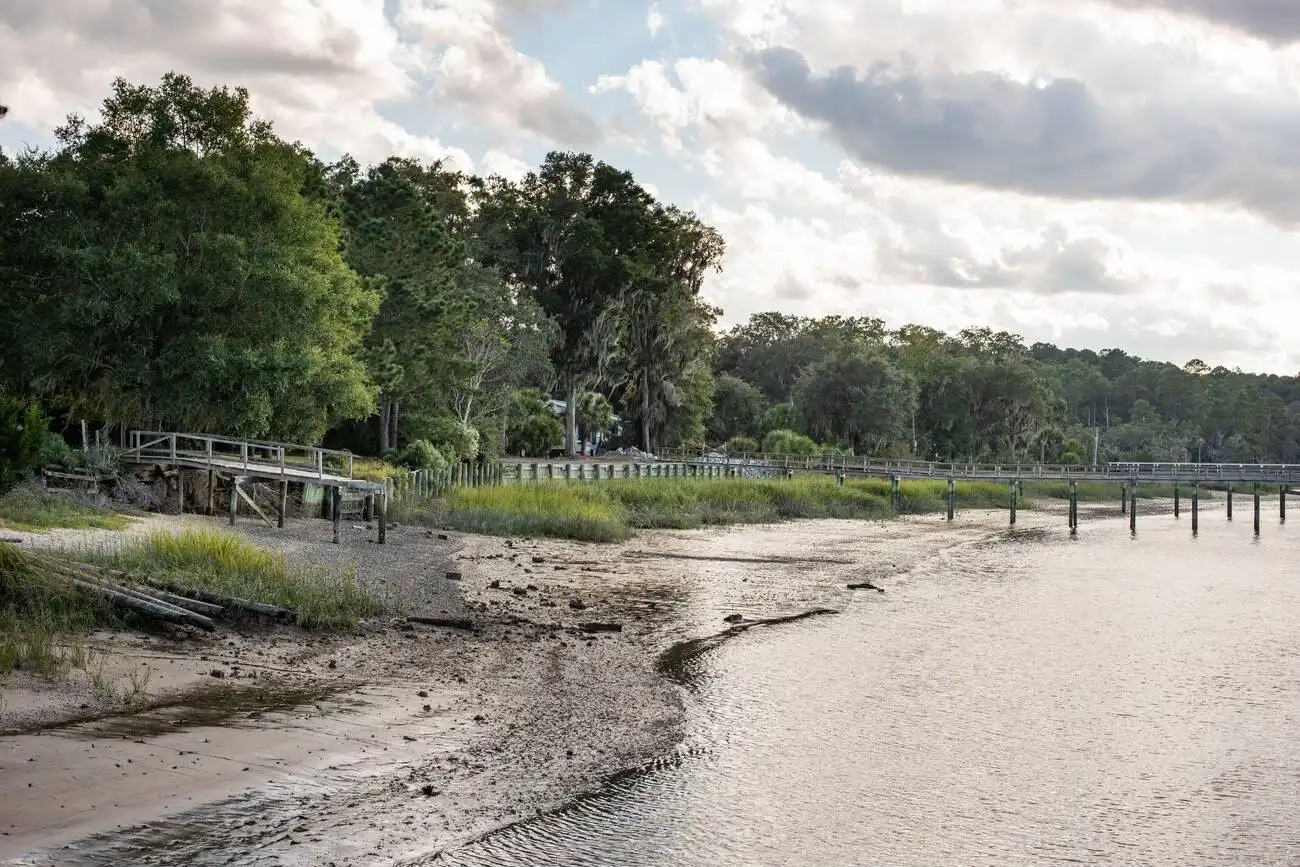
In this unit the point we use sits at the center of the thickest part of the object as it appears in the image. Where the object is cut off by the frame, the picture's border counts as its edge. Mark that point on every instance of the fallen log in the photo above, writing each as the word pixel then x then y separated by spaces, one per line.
pixel 450 622
pixel 866 585
pixel 274 611
pixel 82 574
pixel 601 627
pixel 156 610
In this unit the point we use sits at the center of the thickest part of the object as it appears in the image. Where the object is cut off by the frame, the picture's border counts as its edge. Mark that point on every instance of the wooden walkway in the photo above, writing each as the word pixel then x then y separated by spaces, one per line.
pixel 1118 473
pixel 243 461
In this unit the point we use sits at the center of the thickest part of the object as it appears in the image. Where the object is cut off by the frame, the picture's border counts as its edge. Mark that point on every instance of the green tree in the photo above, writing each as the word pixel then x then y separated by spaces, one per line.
pixel 573 233
pixel 166 268
pixel 532 430
pixel 856 397
pixel 738 408
pixel 595 415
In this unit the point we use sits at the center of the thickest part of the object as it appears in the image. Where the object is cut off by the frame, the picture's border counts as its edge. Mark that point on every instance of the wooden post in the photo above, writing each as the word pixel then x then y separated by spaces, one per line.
pixel 212 493
pixel 336 510
pixel 1257 509
pixel 328 502
pixel 1281 503
pixel 368 510
pixel 1196 507
pixel 284 502
pixel 180 491
pixel 1175 499
pixel 1229 502
pixel 1011 490
pixel 383 519
pixel 1133 508
pixel 1123 498
pixel 234 499
pixel 952 498
pixel 1074 508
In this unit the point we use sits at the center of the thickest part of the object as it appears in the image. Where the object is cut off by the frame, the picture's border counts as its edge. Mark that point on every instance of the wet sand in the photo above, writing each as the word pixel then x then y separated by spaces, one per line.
pixel 401 740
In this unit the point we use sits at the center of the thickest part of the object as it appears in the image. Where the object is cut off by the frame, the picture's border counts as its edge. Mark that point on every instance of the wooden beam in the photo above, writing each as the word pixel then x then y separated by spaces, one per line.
pixel 247 499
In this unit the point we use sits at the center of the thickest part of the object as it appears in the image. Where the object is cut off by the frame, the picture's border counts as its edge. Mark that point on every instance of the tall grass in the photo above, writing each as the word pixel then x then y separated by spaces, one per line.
pixel 230 565
pixel 38 614
pixel 32 509
pixel 611 511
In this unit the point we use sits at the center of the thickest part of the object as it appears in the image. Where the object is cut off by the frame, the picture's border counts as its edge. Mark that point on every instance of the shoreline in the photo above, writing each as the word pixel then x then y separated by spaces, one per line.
pixel 398 741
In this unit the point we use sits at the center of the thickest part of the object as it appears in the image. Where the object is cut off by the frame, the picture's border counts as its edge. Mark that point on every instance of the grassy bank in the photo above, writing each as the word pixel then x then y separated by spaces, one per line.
pixel 43 620
pixel 230 565
pixel 31 509
pixel 611 511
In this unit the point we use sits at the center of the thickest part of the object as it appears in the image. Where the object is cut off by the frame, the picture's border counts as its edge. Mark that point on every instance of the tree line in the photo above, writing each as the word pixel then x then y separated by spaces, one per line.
pixel 850 384
pixel 176 264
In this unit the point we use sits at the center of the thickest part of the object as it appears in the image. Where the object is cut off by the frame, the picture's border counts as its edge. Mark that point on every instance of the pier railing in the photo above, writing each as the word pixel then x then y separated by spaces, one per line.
pixel 1109 472
pixel 257 457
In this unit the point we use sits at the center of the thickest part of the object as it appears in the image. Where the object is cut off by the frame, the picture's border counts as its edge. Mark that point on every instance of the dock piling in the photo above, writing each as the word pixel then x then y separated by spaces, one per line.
pixel 1123 498
pixel 1229 502
pixel 284 503
pixel 1133 508
pixel 1281 503
pixel 1175 499
pixel 336 510
pixel 952 498
pixel 1196 507
pixel 1011 492
pixel 234 499
pixel 1256 510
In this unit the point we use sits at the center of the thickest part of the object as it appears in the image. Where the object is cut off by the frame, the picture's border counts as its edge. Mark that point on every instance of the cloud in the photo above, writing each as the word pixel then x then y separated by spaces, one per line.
pixel 480 72
pixel 1050 137
pixel 1274 21
pixel 319 70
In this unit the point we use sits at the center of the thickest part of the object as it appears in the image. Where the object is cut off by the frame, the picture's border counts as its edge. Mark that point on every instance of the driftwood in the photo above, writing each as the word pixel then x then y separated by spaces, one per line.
pixel 601 627
pixel 450 622
pixel 274 611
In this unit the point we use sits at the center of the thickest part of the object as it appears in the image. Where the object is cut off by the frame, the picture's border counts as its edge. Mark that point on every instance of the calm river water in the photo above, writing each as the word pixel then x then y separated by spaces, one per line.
pixel 1027 699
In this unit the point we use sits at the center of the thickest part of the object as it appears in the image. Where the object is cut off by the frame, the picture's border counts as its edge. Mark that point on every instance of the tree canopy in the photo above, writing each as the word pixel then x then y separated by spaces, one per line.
pixel 176 263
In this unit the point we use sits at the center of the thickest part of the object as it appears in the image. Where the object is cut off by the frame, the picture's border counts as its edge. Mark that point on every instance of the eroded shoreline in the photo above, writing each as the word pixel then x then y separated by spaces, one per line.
pixel 404 740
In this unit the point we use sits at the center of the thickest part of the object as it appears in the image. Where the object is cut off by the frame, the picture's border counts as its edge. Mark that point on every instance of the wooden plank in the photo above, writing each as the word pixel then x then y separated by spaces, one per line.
pixel 247 499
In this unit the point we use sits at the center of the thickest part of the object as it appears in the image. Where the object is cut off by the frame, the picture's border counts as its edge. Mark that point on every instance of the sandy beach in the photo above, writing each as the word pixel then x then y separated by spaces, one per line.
pixel 271 745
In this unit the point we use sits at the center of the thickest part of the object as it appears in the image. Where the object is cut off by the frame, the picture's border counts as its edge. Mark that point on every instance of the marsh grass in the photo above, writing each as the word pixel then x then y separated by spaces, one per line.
pixel 230 565
pixel 29 508
pixel 41 618
pixel 611 511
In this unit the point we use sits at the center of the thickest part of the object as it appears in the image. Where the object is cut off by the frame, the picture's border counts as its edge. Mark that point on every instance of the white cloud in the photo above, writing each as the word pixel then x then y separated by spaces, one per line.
pixel 654 20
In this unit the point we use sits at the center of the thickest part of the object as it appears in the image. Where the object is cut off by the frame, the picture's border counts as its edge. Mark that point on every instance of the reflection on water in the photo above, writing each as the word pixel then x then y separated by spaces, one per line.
pixel 1102 700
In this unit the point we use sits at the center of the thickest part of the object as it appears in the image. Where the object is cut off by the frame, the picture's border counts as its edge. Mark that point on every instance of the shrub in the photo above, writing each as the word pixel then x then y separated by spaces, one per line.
pixel 741 445
pixel 24 432
pixel 533 429
pixel 787 442
pixel 421 455
pixel 456 441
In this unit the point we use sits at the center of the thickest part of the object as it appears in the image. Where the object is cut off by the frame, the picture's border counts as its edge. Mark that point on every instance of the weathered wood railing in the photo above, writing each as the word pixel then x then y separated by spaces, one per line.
pixel 267 459
pixel 1110 472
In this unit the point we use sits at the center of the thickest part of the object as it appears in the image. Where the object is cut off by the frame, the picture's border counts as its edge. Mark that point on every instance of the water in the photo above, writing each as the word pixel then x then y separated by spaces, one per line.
pixel 1023 700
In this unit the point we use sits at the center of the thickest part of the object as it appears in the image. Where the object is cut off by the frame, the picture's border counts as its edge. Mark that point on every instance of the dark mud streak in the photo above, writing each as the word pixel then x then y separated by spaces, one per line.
pixel 781 561
pixel 214 705
pixel 674 662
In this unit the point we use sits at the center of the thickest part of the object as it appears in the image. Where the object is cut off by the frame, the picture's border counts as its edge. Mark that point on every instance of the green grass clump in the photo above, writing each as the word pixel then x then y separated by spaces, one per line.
pixel 32 509
pixel 230 565
pixel 610 511
pixel 38 614
pixel 585 512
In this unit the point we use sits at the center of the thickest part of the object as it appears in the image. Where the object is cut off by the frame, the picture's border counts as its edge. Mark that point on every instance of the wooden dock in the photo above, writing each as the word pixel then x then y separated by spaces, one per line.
pixel 242 461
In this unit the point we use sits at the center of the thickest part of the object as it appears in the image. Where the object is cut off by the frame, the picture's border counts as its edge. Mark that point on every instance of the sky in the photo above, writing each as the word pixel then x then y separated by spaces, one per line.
pixel 1092 174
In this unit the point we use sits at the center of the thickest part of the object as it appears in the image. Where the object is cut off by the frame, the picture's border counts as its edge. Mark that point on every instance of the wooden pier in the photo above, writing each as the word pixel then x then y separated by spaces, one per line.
pixel 244 461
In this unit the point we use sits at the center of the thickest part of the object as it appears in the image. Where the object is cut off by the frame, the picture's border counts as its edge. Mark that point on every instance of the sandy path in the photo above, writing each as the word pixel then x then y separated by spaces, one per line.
pixel 398 741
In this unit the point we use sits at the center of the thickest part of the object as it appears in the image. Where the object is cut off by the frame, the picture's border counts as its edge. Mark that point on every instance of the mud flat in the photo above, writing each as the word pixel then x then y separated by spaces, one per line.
pixel 384 745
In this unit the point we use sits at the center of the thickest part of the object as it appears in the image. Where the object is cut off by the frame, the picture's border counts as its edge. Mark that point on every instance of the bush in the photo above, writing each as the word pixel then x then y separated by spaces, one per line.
pixel 787 442
pixel 24 433
pixel 533 429
pixel 741 445
pixel 456 441
pixel 421 455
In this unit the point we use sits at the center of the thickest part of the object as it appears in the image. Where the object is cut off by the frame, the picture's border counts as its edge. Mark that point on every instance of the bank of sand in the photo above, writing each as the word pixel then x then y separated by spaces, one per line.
pixel 275 746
